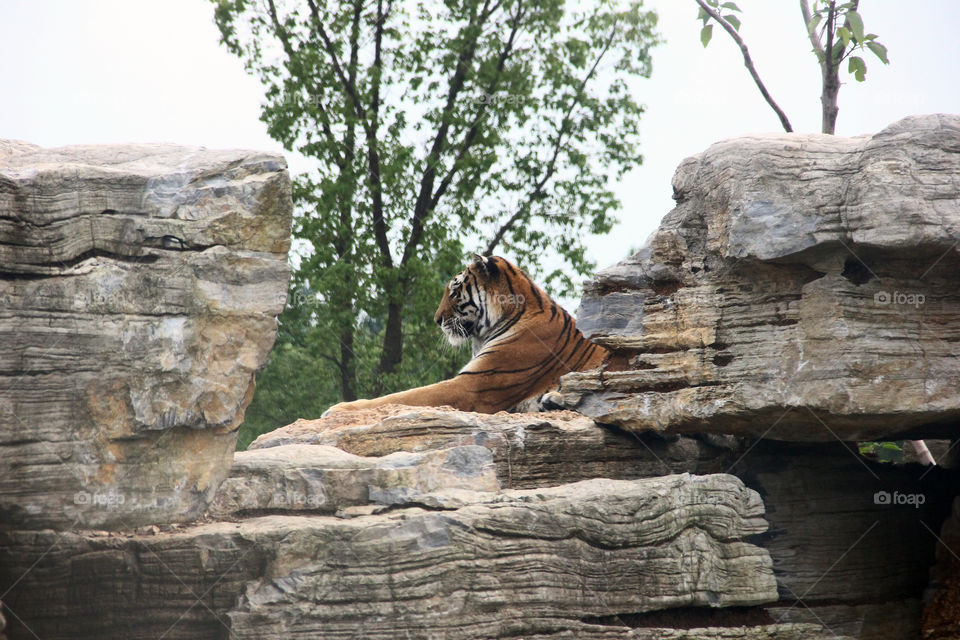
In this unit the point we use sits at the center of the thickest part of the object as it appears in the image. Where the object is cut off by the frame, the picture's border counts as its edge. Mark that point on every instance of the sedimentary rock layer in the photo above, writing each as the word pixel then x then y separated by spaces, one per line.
pixel 321 479
pixel 803 289
pixel 521 562
pixel 140 286
pixel 529 449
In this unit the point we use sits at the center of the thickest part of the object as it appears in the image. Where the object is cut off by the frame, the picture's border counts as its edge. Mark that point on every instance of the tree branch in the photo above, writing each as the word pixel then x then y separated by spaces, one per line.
pixel 475 125
pixel 748 62
pixel 557 146
pixel 457 81
pixel 373 150
pixel 811 33
pixel 349 88
pixel 291 54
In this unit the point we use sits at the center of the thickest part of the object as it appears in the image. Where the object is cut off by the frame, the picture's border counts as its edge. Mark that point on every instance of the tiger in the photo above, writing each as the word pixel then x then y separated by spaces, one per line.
pixel 523 341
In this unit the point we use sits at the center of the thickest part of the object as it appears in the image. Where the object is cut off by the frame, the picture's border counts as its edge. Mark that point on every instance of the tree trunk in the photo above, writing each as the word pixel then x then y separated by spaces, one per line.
pixel 392 352
pixel 831 76
pixel 348 372
pixel 828 98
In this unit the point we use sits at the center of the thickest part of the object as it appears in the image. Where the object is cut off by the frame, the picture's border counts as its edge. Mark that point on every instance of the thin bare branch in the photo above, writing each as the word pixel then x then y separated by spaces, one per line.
pixel 474 128
pixel 748 62
pixel 373 148
pixel 291 54
pixel 422 205
pixel 349 88
pixel 562 130
pixel 811 32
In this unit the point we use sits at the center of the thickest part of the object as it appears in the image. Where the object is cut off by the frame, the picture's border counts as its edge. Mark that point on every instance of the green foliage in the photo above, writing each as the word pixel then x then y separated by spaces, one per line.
pixel 883 451
pixel 725 11
pixel 835 31
pixel 436 129
pixel 838 28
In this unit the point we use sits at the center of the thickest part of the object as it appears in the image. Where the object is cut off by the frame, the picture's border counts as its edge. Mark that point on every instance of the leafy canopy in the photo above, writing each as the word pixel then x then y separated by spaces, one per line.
pixel 433 128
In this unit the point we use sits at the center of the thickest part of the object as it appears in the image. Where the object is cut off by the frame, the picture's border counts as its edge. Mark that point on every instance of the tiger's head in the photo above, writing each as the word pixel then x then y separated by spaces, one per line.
pixel 478 300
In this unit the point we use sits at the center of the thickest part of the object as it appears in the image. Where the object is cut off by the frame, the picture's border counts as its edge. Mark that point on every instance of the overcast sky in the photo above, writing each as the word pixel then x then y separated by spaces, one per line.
pixel 99 71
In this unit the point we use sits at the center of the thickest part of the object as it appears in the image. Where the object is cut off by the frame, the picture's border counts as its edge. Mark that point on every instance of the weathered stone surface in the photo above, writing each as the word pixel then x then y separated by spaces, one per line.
pixel 139 288
pixel 762 632
pixel 529 449
pixel 941 613
pixel 851 540
pixel 518 562
pixel 839 552
pixel 299 477
pixel 804 289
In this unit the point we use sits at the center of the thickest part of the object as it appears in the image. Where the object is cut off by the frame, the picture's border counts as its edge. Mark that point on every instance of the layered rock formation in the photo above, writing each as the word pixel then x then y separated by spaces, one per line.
pixel 800 298
pixel 528 449
pixel 850 539
pixel 941 614
pixel 804 288
pixel 543 562
pixel 140 286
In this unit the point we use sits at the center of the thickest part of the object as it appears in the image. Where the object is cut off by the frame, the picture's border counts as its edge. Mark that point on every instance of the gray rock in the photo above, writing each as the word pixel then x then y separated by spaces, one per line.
pixel 941 611
pixel 322 479
pixel 851 540
pixel 523 562
pixel 529 449
pixel 803 289
pixel 140 286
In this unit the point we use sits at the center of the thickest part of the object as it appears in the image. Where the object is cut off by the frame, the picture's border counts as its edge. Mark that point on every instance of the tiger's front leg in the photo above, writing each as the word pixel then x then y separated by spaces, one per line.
pixel 456 392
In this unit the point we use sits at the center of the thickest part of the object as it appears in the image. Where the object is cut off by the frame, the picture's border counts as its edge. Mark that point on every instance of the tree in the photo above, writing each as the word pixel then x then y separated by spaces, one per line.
pixel 836 32
pixel 493 124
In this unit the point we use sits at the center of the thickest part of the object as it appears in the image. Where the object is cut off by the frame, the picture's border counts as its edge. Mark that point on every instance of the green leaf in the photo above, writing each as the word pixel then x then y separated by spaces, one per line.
pixel 705 34
pixel 856 25
pixel 814 22
pixel 734 21
pixel 858 68
pixel 837 53
pixel 879 50
pixel 732 6
pixel 703 16
pixel 844 34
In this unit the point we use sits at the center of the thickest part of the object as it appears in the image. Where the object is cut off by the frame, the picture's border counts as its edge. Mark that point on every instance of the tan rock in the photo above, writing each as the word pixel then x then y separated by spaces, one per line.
pixel 529 449
pixel 525 562
pixel 323 479
pixel 140 287
pixel 804 288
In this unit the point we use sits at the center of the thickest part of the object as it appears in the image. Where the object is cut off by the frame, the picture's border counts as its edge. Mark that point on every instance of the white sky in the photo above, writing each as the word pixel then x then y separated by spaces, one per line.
pixel 101 71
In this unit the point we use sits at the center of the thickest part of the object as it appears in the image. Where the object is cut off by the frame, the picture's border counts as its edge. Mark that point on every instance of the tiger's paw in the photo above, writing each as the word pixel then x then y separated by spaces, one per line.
pixel 340 407
pixel 552 401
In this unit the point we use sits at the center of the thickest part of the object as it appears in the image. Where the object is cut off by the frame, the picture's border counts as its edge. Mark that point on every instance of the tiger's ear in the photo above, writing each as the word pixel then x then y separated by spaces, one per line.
pixel 487 266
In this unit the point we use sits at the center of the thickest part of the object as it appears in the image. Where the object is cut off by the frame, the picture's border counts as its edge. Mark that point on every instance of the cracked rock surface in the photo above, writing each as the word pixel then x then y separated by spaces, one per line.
pixel 804 288
pixel 548 561
pixel 140 286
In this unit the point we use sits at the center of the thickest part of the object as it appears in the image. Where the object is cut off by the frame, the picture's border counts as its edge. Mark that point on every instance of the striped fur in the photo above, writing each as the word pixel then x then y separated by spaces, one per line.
pixel 522 342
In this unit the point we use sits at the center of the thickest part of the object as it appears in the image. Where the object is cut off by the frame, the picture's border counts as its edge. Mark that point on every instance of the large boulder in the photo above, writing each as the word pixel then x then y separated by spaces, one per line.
pixel 321 479
pixel 140 286
pixel 804 288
